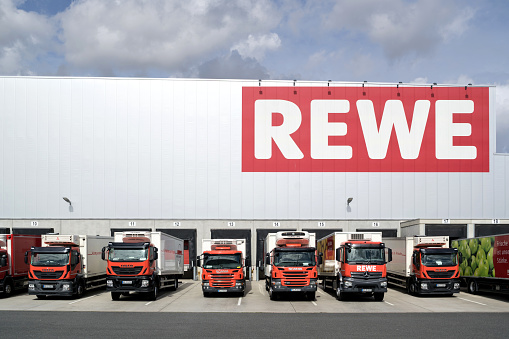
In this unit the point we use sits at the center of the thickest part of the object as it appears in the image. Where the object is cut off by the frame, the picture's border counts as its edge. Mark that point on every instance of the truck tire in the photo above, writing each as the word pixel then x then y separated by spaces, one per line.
pixel 80 290
pixel 273 295
pixel 473 288
pixel 176 284
pixel 311 296
pixel 379 296
pixel 115 295
pixel 41 296
pixel 152 295
pixel 8 288
pixel 411 288
pixel 341 296
pixel 206 294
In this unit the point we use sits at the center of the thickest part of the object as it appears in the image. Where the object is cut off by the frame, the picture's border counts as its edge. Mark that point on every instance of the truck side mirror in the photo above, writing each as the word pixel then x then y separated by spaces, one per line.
pixel 389 255
pixel 26 257
pixel 3 261
pixel 156 254
pixel 320 258
pixel 338 255
pixel 248 262
pixel 103 256
pixel 267 258
pixel 198 261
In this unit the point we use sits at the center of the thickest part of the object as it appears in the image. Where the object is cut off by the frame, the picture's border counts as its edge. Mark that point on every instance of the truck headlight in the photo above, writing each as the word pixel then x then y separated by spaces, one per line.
pixel 144 283
pixel 31 286
pixel 456 286
pixel 383 284
pixel 109 283
pixel 347 283
pixel 276 282
pixel 205 284
pixel 66 287
pixel 238 284
pixel 424 286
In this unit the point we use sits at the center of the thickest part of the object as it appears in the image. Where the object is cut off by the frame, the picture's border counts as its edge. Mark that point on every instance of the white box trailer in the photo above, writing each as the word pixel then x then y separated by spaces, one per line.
pixel 143 262
pixel 82 253
pixel 423 265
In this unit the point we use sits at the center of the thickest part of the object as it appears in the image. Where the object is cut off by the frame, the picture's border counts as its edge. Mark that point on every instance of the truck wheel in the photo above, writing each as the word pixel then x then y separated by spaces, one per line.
pixel 340 295
pixel 176 284
pixel 311 296
pixel 411 288
pixel 379 296
pixel 115 295
pixel 472 287
pixel 8 289
pixel 41 296
pixel 80 290
pixel 272 294
pixel 153 294
pixel 206 294
pixel 324 285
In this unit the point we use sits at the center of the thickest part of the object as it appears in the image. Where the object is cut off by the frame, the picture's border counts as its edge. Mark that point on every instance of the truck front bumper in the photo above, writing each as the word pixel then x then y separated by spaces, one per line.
pixel 277 286
pixel 129 284
pixel 237 288
pixel 355 285
pixel 427 286
pixel 51 287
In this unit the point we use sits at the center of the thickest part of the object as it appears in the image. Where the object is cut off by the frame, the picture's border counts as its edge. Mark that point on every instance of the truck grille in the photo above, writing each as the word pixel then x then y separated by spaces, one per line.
pixel 295 278
pixel 222 280
pixel 127 270
pixel 446 274
pixel 48 275
pixel 369 275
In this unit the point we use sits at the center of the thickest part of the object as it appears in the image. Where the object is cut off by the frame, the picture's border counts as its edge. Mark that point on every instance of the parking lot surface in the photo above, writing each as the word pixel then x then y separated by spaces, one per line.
pixel 189 298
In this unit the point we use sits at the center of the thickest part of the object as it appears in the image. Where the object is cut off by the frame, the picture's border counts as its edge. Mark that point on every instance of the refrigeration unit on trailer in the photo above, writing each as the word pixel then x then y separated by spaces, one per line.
pixel 290 263
pixel 423 265
pixel 66 265
pixel 143 262
pixel 224 266
pixel 484 263
pixel 354 262
pixel 13 269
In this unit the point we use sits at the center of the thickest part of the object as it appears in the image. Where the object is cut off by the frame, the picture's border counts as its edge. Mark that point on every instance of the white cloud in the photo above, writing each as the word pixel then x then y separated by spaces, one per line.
pixel 257 46
pixel 24 37
pixel 401 27
pixel 159 34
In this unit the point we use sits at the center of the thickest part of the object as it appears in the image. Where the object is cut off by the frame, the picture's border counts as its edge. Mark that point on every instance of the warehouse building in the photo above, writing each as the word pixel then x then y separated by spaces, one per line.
pixel 202 158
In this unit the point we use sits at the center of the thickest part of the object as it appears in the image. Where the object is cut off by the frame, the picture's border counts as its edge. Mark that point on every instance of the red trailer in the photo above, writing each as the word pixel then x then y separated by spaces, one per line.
pixel 13 270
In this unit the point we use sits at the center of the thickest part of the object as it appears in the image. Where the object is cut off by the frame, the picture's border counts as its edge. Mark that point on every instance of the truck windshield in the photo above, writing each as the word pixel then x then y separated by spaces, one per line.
pixel 294 258
pixel 215 261
pixel 365 255
pixel 439 259
pixel 125 254
pixel 50 259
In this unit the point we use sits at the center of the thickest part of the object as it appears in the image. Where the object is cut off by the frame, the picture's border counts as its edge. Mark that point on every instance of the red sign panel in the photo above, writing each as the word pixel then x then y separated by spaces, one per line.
pixel 371 129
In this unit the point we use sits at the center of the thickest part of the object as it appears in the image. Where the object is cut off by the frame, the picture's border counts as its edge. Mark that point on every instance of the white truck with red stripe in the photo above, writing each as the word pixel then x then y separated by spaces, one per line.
pixel 354 263
pixel 143 262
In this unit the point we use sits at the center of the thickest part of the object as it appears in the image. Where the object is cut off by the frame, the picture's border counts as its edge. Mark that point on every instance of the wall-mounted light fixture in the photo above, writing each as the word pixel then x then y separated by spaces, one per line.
pixel 348 201
pixel 67 200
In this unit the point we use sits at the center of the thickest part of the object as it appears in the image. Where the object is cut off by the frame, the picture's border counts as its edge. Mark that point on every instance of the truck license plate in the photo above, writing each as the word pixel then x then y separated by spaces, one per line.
pixel 367 290
pixel 127 282
pixel 47 286
pixel 296 289
pixel 221 290
pixel 441 285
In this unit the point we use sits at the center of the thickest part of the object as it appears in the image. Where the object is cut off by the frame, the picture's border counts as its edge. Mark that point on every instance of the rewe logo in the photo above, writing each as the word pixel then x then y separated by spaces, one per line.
pixel 366 268
pixel 376 129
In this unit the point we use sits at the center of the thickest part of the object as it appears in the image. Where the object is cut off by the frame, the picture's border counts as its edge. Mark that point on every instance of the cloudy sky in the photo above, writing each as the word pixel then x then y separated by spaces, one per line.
pixel 413 41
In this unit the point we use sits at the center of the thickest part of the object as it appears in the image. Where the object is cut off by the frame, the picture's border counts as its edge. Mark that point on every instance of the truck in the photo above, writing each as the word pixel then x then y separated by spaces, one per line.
pixel 66 265
pixel 290 263
pixel 143 262
pixel 13 269
pixel 424 265
pixel 354 263
pixel 484 263
pixel 224 266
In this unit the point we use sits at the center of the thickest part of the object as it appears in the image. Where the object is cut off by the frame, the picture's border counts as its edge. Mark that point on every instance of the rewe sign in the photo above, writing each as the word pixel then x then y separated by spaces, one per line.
pixel 372 129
